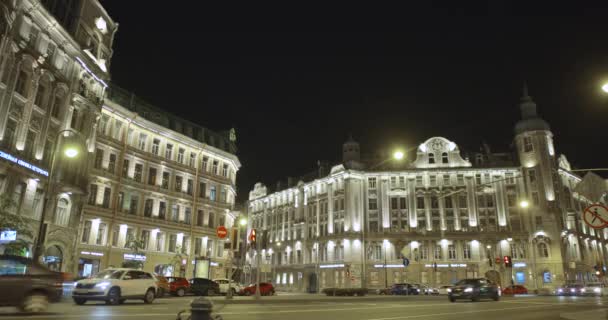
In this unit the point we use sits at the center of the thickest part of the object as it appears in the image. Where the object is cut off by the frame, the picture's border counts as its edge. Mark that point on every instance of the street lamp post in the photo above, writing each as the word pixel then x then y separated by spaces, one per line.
pixel 242 224
pixel 71 151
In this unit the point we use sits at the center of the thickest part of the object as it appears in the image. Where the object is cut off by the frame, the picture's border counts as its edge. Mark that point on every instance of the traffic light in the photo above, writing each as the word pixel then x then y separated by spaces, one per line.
pixel 252 237
pixel 508 262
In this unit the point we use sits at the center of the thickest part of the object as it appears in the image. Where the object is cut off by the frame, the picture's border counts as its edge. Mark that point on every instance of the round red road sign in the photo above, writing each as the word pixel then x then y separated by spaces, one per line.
pixel 596 216
pixel 222 232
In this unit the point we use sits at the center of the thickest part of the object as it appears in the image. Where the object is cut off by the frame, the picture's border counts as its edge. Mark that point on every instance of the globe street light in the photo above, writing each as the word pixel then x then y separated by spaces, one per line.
pixel 605 87
pixel 71 152
pixel 243 222
pixel 398 155
pixel 524 204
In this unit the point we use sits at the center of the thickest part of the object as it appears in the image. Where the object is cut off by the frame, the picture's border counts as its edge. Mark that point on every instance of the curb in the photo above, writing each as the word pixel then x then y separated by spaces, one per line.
pixel 264 300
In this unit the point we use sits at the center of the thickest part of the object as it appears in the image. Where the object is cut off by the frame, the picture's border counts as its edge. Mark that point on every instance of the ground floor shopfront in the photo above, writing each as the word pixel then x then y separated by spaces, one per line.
pixel 312 278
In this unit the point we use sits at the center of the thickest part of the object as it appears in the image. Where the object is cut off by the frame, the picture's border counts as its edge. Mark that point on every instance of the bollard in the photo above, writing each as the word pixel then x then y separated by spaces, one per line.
pixel 201 309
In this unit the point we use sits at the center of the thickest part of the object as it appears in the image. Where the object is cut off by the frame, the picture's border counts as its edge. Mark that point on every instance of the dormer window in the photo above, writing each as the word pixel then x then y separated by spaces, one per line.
pixel 431 158
pixel 528 147
pixel 444 157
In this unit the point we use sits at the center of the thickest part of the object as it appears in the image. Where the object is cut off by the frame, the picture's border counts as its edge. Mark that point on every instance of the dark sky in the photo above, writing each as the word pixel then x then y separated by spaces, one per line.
pixel 295 81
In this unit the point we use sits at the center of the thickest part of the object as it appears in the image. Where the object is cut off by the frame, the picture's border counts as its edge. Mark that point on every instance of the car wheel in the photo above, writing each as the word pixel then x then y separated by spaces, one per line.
pixel 180 292
pixel 452 299
pixel 80 301
pixel 113 296
pixel 496 297
pixel 149 296
pixel 35 302
pixel 474 298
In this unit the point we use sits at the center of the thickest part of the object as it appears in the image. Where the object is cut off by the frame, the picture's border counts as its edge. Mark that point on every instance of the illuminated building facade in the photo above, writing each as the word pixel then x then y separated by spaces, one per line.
pixel 451 216
pixel 163 181
pixel 54 57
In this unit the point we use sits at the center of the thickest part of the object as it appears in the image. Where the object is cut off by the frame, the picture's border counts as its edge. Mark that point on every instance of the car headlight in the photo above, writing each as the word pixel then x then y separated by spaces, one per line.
pixel 583 290
pixel 468 290
pixel 560 290
pixel 102 285
pixel 597 290
pixel 449 290
pixel 572 290
pixel 418 290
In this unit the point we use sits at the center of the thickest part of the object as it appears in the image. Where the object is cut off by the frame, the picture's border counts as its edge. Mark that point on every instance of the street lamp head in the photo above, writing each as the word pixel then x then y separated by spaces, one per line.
pixel 398 155
pixel 524 203
pixel 243 222
pixel 489 246
pixel 71 152
pixel 605 87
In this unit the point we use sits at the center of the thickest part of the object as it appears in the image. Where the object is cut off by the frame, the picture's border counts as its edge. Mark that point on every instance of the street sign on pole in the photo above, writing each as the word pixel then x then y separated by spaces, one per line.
pixel 596 216
pixel 221 232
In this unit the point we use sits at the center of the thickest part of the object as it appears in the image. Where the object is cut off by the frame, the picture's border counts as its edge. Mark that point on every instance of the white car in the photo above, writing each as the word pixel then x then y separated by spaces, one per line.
pixel 116 285
pixel 444 290
pixel 225 284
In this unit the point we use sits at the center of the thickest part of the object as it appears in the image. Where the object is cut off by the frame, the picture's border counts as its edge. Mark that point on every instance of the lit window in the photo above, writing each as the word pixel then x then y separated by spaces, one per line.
pixel 528 147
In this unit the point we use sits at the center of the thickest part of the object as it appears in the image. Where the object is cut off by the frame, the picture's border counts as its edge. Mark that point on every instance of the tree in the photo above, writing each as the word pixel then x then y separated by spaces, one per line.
pixel 135 245
pixel 176 260
pixel 9 221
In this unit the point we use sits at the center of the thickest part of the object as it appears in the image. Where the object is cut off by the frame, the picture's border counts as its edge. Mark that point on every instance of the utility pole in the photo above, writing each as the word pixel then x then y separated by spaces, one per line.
pixel 257 275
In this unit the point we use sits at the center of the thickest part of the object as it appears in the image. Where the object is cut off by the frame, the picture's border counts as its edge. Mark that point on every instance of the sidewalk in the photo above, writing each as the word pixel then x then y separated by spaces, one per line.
pixel 305 298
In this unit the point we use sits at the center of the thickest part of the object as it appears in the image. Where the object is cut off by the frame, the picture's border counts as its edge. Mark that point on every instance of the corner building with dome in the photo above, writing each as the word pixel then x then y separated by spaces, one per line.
pixel 451 215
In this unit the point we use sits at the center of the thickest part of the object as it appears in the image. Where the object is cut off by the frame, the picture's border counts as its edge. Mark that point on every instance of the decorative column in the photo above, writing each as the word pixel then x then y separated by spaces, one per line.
pixel 330 206
pixel 471 205
pixel 383 201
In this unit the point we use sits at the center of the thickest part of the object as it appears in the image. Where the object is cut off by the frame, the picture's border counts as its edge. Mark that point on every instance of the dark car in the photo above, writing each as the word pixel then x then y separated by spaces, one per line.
pixel 400 289
pixel 266 289
pixel 178 286
pixel 27 284
pixel 204 287
pixel 570 290
pixel 474 289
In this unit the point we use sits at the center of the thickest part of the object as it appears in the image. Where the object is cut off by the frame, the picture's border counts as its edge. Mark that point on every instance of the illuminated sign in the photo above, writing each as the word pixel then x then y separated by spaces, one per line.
pixel 452 265
pixel 519 265
pixel 92 253
pixel 389 266
pixel 8 235
pixel 23 163
pixel 329 266
pixel 134 257
pixel 214 264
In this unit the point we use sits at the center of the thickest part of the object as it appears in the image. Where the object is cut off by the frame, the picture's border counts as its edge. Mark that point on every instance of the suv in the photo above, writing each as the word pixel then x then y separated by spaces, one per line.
pixel 27 284
pixel 225 284
pixel 178 286
pixel 114 286
pixel 204 287
pixel 474 289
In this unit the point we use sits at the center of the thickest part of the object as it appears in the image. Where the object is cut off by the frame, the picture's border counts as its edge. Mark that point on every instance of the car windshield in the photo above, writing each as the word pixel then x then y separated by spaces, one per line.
pixel 467 282
pixel 109 274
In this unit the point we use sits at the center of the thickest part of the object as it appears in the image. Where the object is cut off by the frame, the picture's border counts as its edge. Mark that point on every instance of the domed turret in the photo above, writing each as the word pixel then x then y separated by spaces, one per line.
pixel 530 120
pixel 351 151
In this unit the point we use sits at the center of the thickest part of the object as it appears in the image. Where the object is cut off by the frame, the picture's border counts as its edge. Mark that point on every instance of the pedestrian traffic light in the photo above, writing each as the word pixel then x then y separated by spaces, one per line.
pixel 252 237
pixel 508 262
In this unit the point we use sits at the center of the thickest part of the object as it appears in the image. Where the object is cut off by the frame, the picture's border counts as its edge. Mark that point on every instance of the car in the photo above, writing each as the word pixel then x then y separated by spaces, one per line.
pixel 27 284
pixel 414 289
pixel 516 289
pixel 569 290
pixel 115 285
pixel 428 290
pixel 474 289
pixel 266 289
pixel 225 284
pixel 163 286
pixel 204 287
pixel 400 289
pixel 384 291
pixel 444 290
pixel 593 289
pixel 178 286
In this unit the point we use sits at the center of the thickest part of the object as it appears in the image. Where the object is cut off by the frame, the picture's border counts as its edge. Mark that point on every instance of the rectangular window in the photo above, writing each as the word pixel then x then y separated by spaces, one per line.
pixel 539 222
pixel 373 204
pixel 133 204
pixel 433 180
pixel 200 218
pixel 401 181
pixel 120 201
pixel 139 168
pixel 424 253
pixel 438 255
pixel 466 251
pixel 172 242
pixel 152 176
pixel 215 167
pixel 180 155
pixel 462 201
pixel 446 179
pixel 419 181
pixel 511 200
pixel 393 182
pixel 532 176
pixel 107 192
pixel 148 205
pixel 175 213
pixel 535 198
pixel 21 83
pixel 189 186
pixel 212 193
pixel 112 163
pixel 419 202
pixel 125 168
pixel 204 164
pixel 225 170
pixel 510 178
pixel 101 233
pixel 198 244
pixel 162 210
pixel 165 182
pixel 528 147
pixel 188 215
pixel 115 234
pixel 98 158
pixel 142 141
pixel 451 252
pixel 93 194
pixel 74 122
pixel 434 202
pixel 478 178
pixel 178 183
pixel 117 130
pixel 448 203
pixel 394 203
pixel 460 178
pixel 169 151
pixel 155 146
pixel 160 241
pixel 86 231
pixel 129 237
pixel 192 159
pixel 371 182
pixel 145 239
pixel 403 203
pixel 202 189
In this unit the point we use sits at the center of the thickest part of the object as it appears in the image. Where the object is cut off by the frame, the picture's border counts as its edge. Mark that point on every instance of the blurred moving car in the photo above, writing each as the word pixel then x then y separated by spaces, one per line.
pixel 115 285
pixel 516 289
pixel 384 291
pixel 28 285
pixel 163 286
pixel 569 290
pixel 226 285
pixel 428 290
pixel 266 289
pixel 593 289
pixel 444 290
pixel 178 286
pixel 204 287
pixel 400 289
pixel 474 289
pixel 414 289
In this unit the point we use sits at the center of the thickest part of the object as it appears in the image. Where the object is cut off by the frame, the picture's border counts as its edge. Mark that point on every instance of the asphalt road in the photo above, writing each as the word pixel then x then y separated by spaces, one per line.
pixel 338 308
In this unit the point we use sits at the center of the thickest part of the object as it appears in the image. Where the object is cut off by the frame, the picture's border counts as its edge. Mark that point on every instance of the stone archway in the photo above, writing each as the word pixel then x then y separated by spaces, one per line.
pixel 53 258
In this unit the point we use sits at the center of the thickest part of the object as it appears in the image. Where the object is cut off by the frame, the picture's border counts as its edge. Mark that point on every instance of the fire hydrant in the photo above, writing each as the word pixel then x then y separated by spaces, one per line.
pixel 201 309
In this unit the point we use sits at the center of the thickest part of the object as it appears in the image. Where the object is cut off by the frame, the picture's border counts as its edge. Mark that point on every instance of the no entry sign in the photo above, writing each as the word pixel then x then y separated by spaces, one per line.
pixel 222 232
pixel 596 216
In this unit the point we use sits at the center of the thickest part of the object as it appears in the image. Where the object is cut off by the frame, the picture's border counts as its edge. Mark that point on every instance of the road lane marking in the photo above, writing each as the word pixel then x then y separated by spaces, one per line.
pixel 455 312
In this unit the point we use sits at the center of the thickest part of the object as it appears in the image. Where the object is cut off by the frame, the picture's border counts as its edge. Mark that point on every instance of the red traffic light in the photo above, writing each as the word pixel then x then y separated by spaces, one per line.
pixel 252 235
pixel 507 260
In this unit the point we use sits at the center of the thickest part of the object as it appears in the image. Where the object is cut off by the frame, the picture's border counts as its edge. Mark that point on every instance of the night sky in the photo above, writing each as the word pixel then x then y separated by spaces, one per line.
pixel 295 86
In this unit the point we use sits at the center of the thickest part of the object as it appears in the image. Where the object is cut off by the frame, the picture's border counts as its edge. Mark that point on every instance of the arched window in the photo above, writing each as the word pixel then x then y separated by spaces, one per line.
pixel 57 103
pixel 543 250
pixel 444 157
pixel 431 158
pixel 62 216
pixel 21 86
